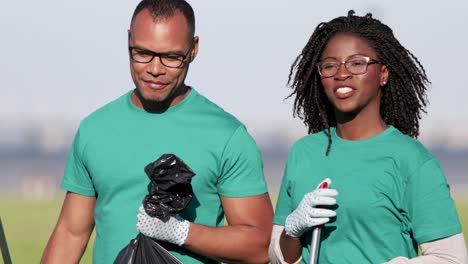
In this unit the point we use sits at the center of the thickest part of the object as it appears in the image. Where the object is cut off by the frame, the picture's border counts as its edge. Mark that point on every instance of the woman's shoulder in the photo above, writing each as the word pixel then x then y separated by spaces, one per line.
pixel 310 145
pixel 311 140
pixel 409 150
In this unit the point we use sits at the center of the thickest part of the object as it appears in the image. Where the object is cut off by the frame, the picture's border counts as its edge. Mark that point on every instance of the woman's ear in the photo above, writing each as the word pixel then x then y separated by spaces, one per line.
pixel 384 75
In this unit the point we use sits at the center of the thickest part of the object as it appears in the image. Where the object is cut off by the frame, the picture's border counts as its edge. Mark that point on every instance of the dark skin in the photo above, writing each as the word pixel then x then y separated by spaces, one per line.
pixel 159 87
pixel 72 231
pixel 152 106
pixel 356 100
pixel 358 114
pixel 290 247
pixel 244 240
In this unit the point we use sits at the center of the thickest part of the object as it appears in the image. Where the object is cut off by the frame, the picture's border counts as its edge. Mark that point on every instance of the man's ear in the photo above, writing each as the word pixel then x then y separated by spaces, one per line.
pixel 194 52
pixel 128 32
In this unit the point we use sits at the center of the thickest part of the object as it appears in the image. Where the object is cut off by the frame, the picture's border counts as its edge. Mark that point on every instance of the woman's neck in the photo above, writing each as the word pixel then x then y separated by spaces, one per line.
pixel 360 126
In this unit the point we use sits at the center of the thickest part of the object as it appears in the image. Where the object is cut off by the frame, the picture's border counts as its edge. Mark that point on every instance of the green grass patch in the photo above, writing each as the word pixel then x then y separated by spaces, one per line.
pixel 28 225
pixel 461 201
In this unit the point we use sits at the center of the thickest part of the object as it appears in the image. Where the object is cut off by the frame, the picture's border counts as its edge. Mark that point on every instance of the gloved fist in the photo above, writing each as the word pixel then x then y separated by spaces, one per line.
pixel 307 215
pixel 175 230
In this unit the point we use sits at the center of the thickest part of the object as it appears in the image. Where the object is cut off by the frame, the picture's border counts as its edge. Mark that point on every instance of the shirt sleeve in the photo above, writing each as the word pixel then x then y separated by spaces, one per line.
pixel 241 167
pixel 430 207
pixel 76 178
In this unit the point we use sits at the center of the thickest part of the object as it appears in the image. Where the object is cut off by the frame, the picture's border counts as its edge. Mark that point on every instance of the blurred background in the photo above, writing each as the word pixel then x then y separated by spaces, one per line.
pixel 62 60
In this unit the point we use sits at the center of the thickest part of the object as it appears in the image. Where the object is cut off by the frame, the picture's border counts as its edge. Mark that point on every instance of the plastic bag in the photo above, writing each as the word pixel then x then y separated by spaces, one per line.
pixel 144 250
pixel 170 192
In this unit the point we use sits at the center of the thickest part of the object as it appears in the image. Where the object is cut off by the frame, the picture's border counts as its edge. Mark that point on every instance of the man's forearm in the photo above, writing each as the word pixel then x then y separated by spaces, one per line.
pixel 232 244
pixel 64 247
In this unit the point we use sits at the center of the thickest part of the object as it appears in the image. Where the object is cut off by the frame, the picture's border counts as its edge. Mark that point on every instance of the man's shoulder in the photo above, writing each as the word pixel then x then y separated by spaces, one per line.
pixel 210 109
pixel 105 113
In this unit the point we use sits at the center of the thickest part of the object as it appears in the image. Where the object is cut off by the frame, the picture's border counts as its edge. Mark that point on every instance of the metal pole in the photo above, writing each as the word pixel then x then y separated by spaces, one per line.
pixel 4 246
pixel 315 240
pixel 314 245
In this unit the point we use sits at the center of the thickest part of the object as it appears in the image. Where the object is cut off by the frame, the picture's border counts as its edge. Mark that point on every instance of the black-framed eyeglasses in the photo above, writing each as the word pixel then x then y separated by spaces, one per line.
pixel 354 65
pixel 170 60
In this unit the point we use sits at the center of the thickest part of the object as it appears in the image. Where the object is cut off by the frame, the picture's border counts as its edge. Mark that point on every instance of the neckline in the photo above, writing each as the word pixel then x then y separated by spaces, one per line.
pixel 380 135
pixel 170 110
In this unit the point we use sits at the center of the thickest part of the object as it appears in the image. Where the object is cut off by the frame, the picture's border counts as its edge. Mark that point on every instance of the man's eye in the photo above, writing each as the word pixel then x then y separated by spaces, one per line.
pixel 173 57
pixel 143 53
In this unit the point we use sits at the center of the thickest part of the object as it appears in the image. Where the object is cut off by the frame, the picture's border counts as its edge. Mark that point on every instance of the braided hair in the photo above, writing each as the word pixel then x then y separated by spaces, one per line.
pixel 403 96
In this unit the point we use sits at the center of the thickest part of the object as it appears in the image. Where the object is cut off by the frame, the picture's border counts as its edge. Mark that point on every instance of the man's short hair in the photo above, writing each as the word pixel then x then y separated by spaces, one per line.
pixel 163 9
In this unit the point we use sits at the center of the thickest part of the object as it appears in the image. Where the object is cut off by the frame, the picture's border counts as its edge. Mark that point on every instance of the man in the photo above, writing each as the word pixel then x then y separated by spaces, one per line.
pixel 105 178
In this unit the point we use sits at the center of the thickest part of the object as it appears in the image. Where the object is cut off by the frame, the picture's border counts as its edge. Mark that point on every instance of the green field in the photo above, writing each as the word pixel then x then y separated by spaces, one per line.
pixel 29 223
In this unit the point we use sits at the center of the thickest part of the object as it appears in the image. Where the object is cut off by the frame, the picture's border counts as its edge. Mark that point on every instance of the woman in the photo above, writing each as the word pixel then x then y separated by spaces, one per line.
pixel 361 95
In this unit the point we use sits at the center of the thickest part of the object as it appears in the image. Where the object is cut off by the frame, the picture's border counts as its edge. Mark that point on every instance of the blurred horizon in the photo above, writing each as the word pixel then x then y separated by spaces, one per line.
pixel 34 150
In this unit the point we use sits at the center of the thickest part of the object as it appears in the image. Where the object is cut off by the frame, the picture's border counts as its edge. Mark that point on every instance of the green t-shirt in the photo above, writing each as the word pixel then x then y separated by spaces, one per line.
pixel 114 144
pixel 392 195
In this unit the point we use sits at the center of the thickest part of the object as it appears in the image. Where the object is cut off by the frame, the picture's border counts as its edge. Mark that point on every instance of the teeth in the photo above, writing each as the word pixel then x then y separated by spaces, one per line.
pixel 344 90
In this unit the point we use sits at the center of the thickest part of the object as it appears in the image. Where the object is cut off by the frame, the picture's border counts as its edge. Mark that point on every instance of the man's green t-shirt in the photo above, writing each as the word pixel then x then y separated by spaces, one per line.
pixel 393 195
pixel 114 144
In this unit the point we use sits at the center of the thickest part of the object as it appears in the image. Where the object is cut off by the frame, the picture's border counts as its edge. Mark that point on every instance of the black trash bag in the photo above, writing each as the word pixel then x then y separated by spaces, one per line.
pixel 170 192
pixel 145 250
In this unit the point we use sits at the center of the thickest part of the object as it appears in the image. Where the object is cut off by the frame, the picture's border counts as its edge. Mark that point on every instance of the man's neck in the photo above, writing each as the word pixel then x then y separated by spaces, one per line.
pixel 162 106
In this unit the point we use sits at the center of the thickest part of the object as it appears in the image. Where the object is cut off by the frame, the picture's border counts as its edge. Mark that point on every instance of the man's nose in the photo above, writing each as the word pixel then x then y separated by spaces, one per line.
pixel 155 67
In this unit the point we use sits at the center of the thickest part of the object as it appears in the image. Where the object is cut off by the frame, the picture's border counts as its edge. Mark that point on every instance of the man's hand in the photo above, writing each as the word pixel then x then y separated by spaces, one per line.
pixel 175 230
pixel 307 215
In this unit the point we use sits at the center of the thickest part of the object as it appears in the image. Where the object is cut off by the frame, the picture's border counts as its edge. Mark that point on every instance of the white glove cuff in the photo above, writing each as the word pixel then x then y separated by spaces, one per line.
pixel 181 232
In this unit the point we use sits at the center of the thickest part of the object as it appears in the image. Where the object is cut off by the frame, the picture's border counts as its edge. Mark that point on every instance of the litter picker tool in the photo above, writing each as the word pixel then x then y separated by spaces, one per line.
pixel 3 245
pixel 315 240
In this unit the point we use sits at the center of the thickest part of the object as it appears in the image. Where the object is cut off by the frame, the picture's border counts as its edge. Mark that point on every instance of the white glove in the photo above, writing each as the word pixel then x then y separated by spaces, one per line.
pixel 175 230
pixel 307 215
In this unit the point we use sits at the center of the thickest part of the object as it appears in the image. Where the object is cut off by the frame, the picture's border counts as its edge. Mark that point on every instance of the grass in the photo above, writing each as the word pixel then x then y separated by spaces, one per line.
pixel 29 223
pixel 461 201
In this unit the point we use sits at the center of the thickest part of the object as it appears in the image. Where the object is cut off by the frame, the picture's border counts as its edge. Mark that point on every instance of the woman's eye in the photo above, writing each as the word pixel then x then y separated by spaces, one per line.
pixel 328 66
pixel 357 63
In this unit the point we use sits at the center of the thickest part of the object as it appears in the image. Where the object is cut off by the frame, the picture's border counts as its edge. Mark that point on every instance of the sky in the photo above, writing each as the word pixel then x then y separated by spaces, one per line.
pixel 70 57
